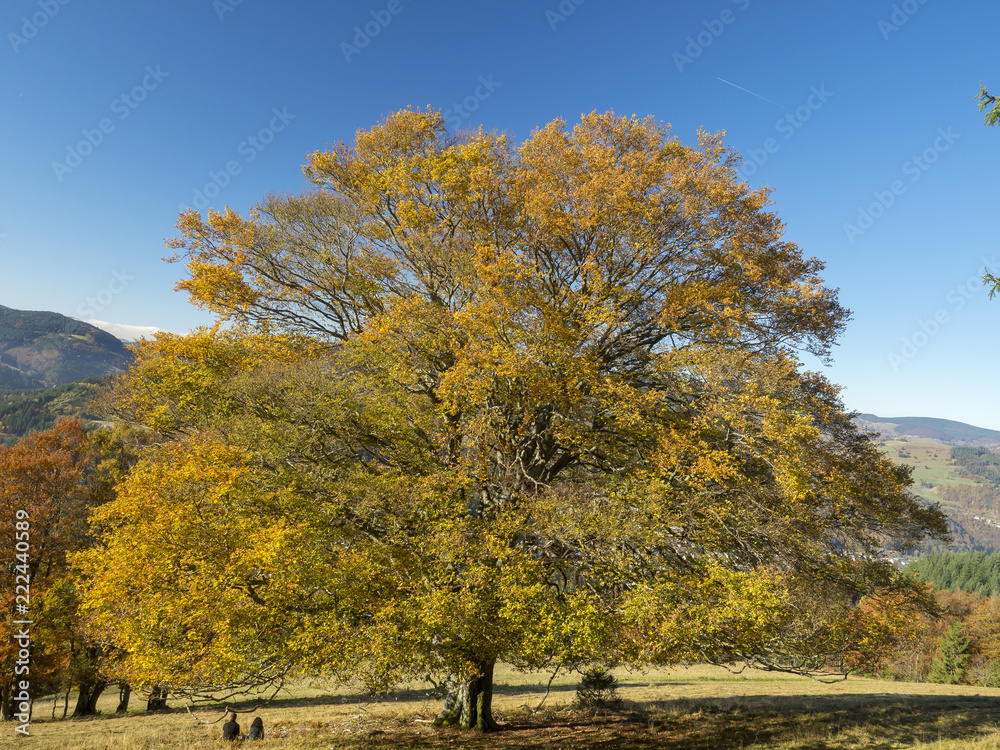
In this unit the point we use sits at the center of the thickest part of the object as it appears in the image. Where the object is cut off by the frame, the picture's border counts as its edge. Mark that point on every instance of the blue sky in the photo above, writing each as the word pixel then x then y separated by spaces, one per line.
pixel 860 115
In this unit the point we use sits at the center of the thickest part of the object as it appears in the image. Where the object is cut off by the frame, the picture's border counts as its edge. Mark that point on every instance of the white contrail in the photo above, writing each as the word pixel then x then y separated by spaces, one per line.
pixel 752 93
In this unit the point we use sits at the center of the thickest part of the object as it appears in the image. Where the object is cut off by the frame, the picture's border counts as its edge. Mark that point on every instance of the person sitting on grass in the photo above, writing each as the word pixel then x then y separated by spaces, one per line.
pixel 256 729
pixel 231 730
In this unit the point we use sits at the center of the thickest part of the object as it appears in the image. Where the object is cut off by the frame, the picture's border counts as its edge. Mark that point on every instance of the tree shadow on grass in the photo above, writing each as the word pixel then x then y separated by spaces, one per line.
pixel 874 722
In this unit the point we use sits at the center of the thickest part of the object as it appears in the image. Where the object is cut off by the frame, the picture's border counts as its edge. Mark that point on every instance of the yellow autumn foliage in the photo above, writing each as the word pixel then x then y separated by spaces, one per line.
pixel 472 400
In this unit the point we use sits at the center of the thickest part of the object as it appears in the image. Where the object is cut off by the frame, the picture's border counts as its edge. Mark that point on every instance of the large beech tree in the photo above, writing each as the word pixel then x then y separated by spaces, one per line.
pixel 471 400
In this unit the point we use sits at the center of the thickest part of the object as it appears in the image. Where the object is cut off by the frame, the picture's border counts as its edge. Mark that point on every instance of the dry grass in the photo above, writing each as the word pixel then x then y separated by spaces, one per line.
pixel 699 707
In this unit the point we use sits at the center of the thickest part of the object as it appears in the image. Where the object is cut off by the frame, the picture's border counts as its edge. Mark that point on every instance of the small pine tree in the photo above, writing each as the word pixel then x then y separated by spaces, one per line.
pixel 952 658
pixel 598 689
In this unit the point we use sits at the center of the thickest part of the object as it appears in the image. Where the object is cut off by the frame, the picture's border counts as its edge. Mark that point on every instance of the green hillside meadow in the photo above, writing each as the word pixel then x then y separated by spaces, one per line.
pixel 940 479
pixel 931 463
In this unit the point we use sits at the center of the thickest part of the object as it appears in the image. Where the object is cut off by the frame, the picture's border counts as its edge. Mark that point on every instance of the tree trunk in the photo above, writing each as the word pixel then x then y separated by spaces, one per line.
pixel 81 701
pixel 86 702
pixel 469 702
pixel 157 699
pixel 95 693
pixel 124 693
pixel 6 703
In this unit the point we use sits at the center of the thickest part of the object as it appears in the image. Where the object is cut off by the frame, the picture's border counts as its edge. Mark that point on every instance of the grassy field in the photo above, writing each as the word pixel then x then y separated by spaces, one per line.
pixel 698 707
pixel 931 464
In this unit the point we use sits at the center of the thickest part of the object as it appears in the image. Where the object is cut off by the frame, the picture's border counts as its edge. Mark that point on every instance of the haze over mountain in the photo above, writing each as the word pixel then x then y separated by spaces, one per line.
pixel 124 331
pixel 40 349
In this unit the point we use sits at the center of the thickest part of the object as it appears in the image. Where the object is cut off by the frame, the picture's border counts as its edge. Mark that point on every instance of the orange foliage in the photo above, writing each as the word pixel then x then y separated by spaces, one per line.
pixel 43 495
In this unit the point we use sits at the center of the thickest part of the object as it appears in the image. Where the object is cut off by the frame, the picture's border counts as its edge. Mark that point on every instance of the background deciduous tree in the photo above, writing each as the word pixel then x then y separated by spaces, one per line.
pixel 43 476
pixel 58 477
pixel 470 401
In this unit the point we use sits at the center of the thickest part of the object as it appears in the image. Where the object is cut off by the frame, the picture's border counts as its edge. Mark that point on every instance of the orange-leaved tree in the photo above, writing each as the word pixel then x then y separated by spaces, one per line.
pixel 44 502
pixel 50 482
pixel 470 400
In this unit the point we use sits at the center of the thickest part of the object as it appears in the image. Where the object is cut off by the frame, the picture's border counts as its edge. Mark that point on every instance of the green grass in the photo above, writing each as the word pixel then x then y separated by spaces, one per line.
pixel 931 464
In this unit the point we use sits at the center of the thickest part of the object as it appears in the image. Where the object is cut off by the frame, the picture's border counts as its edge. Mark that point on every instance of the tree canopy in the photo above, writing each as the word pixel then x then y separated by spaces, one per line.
pixel 470 400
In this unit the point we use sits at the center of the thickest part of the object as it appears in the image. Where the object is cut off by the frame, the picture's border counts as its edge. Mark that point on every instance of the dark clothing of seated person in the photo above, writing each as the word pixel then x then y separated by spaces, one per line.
pixel 256 729
pixel 231 730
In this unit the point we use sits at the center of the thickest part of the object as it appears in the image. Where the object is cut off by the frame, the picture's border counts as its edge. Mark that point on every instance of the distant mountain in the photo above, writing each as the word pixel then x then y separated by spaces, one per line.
pixel 944 431
pixel 42 349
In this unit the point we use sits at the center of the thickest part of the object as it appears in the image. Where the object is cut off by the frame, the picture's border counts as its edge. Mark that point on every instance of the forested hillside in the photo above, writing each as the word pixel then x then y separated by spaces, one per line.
pixel 50 366
pixel 972 572
pixel 39 349
pixel 25 411
pixel 978 464
pixel 968 532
